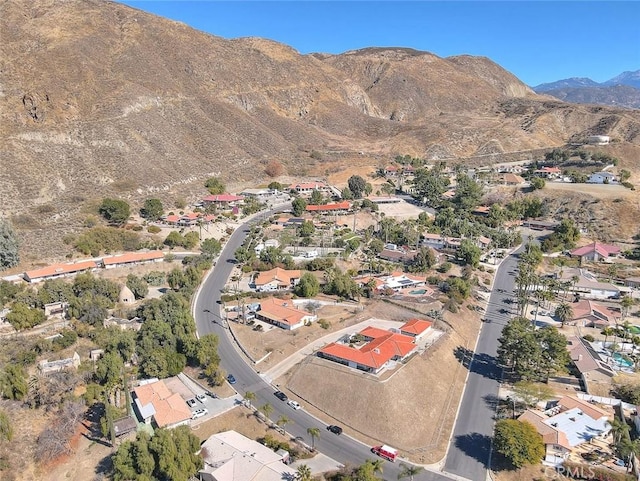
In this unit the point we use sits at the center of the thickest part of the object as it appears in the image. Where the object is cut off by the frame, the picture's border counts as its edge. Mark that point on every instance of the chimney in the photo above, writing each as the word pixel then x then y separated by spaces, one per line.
pixel 579 357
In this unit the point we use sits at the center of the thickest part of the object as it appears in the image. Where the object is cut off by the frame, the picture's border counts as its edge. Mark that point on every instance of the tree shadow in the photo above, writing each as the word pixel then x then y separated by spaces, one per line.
pixel 476 446
pixel 482 364
pixel 104 466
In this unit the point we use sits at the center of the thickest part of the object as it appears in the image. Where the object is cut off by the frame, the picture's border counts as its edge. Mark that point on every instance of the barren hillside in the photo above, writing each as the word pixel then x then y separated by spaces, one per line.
pixel 97 99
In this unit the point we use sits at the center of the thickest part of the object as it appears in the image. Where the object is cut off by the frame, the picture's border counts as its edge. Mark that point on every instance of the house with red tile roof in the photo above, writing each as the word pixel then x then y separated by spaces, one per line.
pixel 276 279
pixel 548 172
pixel 379 352
pixel 512 179
pixel 569 424
pixel 416 328
pixel 591 314
pixel 155 404
pixel 284 314
pixel 132 258
pixel 56 271
pixel 306 188
pixel 334 208
pixel 595 252
pixel 226 200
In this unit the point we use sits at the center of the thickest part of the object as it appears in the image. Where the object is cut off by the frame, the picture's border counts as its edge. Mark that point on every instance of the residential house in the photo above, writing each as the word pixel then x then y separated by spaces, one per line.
pixel 307 188
pixel 549 172
pixel 595 252
pixel 283 314
pixel 601 178
pixel 54 309
pixel 259 194
pixel 133 324
pixel 398 281
pixel 598 139
pixel 437 241
pixel 132 259
pixel 222 200
pixel 632 282
pixel 588 286
pixel 124 426
pixel 416 328
pixel 539 224
pixel 381 350
pixel 592 368
pixel 155 404
pixel 230 456
pixel 397 254
pixel 56 271
pixel 570 423
pixel 46 367
pixel 590 314
pixel 276 279
pixel 334 208
pixel 512 179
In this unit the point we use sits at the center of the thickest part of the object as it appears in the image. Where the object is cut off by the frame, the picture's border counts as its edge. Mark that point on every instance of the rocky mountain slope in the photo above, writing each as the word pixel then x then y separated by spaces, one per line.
pixel 99 99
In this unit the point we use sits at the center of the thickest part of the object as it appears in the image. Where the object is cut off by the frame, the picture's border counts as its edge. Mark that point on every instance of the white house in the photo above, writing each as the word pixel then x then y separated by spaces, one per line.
pixel 601 178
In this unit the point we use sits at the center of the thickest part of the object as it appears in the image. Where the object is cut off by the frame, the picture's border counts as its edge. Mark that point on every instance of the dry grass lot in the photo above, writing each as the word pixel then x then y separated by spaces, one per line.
pixel 413 409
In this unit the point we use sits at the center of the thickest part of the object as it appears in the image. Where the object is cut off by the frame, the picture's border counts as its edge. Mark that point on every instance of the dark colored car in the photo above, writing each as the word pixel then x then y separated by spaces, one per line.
pixel 280 395
pixel 335 429
pixel 231 379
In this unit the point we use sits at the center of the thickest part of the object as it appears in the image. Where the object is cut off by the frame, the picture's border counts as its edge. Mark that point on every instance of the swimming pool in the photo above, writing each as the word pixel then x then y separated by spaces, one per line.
pixel 418 292
pixel 621 360
pixel 634 330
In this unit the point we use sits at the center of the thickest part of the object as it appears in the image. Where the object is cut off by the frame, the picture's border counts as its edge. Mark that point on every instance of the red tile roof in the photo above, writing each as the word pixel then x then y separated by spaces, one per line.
pixel 172 219
pixel 169 407
pixel 374 354
pixel 416 326
pixel 283 276
pixel 60 269
pixel 222 198
pixel 345 205
pixel 604 250
pixel 132 257
pixel 549 170
pixel 282 311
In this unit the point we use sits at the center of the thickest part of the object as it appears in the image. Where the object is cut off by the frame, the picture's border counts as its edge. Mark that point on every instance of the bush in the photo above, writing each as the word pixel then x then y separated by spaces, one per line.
pixel 588 338
pixel 445 267
pixel 629 185
pixel 324 324
pixel 153 229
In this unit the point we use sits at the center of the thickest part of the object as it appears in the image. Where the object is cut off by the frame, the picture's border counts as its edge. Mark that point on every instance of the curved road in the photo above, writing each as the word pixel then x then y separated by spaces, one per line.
pixel 344 449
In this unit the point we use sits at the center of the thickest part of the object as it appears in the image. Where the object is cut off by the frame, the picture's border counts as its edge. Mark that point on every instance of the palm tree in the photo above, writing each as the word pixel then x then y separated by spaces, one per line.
pixel 267 409
pixel 376 464
pixel 283 421
pixel 626 302
pixel 249 397
pixel 607 331
pixel 314 433
pixel 409 471
pixel 564 312
pixel 619 429
pixel 303 473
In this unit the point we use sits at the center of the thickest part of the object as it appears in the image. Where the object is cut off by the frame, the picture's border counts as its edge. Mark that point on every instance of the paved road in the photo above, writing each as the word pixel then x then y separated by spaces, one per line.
pixel 470 448
pixel 342 448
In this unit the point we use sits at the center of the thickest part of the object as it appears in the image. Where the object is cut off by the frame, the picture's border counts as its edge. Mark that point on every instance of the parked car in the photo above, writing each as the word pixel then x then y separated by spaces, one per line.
pixel 198 413
pixel 231 379
pixel 201 397
pixel 191 402
pixel 280 395
pixel 335 429
pixel 294 404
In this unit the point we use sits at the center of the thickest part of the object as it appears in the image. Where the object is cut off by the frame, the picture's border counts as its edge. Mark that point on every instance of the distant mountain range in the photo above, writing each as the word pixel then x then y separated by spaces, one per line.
pixel 622 90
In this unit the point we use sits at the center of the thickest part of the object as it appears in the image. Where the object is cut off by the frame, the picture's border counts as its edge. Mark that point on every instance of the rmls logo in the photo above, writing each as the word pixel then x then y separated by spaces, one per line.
pixel 574 472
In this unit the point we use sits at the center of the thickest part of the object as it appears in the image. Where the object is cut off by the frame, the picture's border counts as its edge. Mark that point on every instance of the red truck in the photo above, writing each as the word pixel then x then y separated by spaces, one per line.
pixel 386 452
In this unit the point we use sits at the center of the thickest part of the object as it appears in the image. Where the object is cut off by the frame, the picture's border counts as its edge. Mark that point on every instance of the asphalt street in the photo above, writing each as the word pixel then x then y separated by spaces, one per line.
pixel 470 448
pixel 469 453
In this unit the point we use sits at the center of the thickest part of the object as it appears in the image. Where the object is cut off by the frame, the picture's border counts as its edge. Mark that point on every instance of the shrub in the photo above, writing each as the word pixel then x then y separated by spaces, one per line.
pixel 588 338
pixel 629 185
pixel 445 267
pixel 153 229
pixel 324 324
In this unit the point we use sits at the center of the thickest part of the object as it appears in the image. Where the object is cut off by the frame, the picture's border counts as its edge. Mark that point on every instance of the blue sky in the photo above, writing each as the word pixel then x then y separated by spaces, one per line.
pixel 539 41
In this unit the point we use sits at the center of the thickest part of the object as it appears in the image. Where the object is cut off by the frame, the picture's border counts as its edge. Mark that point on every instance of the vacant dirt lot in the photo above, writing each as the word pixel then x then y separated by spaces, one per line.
pixel 413 409
pixel 600 191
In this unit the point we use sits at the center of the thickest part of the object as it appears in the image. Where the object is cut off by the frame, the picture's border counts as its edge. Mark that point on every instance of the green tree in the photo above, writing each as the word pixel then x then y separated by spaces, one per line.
pixel 564 312
pixel 207 355
pixel 283 421
pixel 308 286
pixel 409 471
pixel 190 240
pixel 115 211
pixel 424 260
pixel 316 197
pixel 306 229
pixel 538 183
pixel 24 317
pixel 519 442
pixel 249 397
pixel 469 253
pixel 109 369
pixel 138 286
pixel 13 382
pixel 210 248
pixel 347 194
pixel 468 193
pixel 298 206
pixel 174 239
pixel 275 186
pixel 357 185
pixel 152 209
pixel 429 185
pixel 9 246
pixel 215 186
pixel 266 409
pixel 314 433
